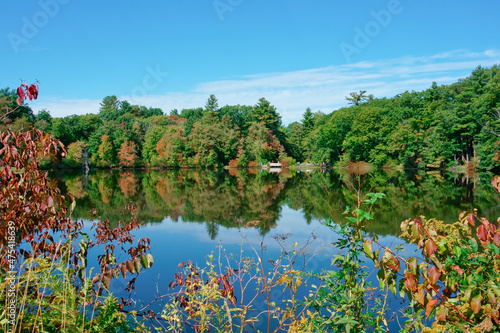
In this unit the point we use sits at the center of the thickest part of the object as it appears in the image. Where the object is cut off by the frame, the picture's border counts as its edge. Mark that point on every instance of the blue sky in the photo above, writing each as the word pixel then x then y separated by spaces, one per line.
pixel 297 54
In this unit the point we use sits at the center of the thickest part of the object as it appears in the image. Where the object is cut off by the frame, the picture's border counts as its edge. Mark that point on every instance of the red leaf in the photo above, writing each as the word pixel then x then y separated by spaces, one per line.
pixel 482 233
pixel 130 266
pixel 434 275
pixel 123 269
pixel 421 296
pixel 441 313
pixel 458 269
pixel 393 263
pixel 33 90
pixel 410 281
pixel 496 239
pixel 430 247
pixel 415 231
pixel 470 219
pixel 19 101
pixel 475 303
pixel 496 182
pixel 20 92
pixel 430 307
pixel 105 281
pixel 28 94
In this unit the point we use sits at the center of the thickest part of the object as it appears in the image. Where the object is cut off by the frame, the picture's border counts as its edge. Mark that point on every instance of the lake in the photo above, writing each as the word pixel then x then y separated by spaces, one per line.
pixel 189 214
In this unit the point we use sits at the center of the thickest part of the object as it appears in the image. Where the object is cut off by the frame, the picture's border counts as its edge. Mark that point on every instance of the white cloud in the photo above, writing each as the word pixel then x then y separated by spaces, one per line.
pixel 66 107
pixel 319 88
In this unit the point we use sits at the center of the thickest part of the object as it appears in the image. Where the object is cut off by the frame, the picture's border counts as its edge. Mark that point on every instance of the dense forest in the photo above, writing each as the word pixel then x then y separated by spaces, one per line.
pixel 456 125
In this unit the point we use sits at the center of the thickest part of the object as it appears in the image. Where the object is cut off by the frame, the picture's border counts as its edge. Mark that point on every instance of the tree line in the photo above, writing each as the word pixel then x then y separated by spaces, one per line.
pixel 444 126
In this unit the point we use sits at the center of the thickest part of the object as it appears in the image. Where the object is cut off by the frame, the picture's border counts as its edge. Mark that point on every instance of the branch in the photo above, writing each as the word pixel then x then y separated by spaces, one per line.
pixel 487 126
pixel 2 117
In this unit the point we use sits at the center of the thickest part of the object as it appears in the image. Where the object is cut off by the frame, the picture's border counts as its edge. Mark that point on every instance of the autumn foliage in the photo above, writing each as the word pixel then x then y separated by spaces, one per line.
pixel 128 155
pixel 36 231
pixel 38 209
pixel 456 278
pixel 27 196
pixel 26 92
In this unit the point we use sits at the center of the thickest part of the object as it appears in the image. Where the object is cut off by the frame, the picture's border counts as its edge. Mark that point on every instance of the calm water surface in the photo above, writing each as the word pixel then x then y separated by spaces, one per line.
pixel 188 213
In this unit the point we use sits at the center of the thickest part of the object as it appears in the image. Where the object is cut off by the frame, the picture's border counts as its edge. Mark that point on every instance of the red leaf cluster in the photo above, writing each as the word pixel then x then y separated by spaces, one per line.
pixel 488 232
pixel 26 92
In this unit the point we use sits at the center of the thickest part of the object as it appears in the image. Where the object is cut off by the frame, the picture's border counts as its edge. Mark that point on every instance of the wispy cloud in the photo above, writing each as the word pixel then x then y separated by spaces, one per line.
pixel 59 107
pixel 319 88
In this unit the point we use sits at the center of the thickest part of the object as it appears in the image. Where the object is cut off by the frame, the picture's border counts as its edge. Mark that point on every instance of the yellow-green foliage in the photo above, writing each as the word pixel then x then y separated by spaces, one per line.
pixel 48 300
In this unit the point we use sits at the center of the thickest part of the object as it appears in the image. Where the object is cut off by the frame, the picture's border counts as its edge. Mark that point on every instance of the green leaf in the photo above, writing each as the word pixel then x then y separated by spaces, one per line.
pixel 493 248
pixel 363 215
pixel 144 261
pixel 351 219
pixel 411 264
pixel 367 249
pixel 336 258
pixel 443 247
pixel 72 207
pixel 373 198
pixel 402 291
pixel 381 278
pixel 391 282
pixel 137 265
pixel 375 258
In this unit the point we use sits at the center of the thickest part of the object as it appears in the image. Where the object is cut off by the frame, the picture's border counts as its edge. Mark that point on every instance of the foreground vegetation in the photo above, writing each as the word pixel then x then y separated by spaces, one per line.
pixel 456 125
pixel 452 285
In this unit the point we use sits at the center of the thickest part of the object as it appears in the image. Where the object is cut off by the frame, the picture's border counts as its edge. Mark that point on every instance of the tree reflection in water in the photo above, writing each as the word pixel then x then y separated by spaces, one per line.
pixel 228 198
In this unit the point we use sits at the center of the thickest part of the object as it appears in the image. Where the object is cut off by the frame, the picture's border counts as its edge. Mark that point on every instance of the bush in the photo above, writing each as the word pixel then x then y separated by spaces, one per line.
pixel 253 164
pixel 287 161
pixel 53 286
pixel 455 281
